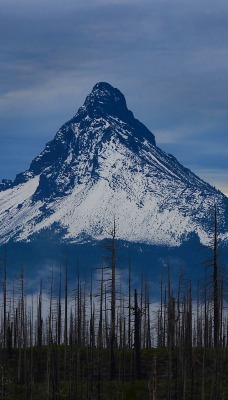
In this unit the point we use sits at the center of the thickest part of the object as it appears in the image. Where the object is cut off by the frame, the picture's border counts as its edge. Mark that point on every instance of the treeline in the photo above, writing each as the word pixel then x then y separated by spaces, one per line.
pixel 102 338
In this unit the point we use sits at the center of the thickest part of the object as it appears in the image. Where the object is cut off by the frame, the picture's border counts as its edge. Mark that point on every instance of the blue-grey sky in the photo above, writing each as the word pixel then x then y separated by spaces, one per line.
pixel 168 57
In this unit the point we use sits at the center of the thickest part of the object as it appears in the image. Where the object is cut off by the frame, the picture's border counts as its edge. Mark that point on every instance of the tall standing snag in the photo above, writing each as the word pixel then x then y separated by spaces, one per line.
pixel 137 343
pixel 113 304
pixel 216 286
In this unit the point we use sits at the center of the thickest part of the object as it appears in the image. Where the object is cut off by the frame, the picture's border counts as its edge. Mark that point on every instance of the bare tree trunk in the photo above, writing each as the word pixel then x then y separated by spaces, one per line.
pixel 4 301
pixel 39 319
pixel 65 321
pixel 113 306
pixel 21 328
pixel 216 286
pixel 66 306
pixel 49 343
pixel 31 354
pixel 59 313
pixel 100 327
pixel 137 346
pixel 129 305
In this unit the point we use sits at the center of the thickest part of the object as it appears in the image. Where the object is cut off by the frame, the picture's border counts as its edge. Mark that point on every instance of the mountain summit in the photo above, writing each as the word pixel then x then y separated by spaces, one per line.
pixel 105 101
pixel 105 163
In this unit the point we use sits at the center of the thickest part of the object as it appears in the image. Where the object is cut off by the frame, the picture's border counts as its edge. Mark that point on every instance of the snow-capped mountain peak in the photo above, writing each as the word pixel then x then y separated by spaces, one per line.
pixel 101 163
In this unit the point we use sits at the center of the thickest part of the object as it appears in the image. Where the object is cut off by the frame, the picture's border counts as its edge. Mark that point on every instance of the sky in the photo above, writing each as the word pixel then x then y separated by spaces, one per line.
pixel 168 57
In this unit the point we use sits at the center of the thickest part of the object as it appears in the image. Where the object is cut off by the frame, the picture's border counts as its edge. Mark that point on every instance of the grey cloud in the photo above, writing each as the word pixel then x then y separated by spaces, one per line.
pixel 169 58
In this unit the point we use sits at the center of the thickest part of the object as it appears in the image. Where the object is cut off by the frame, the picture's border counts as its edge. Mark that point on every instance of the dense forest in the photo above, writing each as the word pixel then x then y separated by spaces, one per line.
pixel 102 338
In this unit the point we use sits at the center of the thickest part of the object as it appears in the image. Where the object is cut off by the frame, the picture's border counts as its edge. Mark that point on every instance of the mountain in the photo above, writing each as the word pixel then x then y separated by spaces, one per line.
pixel 104 164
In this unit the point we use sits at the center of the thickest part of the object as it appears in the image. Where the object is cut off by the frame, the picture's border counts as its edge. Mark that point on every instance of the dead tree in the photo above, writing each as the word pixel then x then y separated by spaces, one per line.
pixel 216 297
pixel 113 305
pixel 137 339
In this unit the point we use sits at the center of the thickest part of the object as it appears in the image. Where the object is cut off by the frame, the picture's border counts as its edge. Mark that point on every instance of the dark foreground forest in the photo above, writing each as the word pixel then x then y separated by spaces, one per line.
pixel 102 338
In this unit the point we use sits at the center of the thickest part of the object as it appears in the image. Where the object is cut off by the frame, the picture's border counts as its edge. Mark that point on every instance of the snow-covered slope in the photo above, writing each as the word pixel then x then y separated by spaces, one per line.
pixel 102 164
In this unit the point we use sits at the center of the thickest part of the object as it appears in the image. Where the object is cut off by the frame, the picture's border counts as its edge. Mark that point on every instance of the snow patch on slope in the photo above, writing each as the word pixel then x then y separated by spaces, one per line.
pixel 15 208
